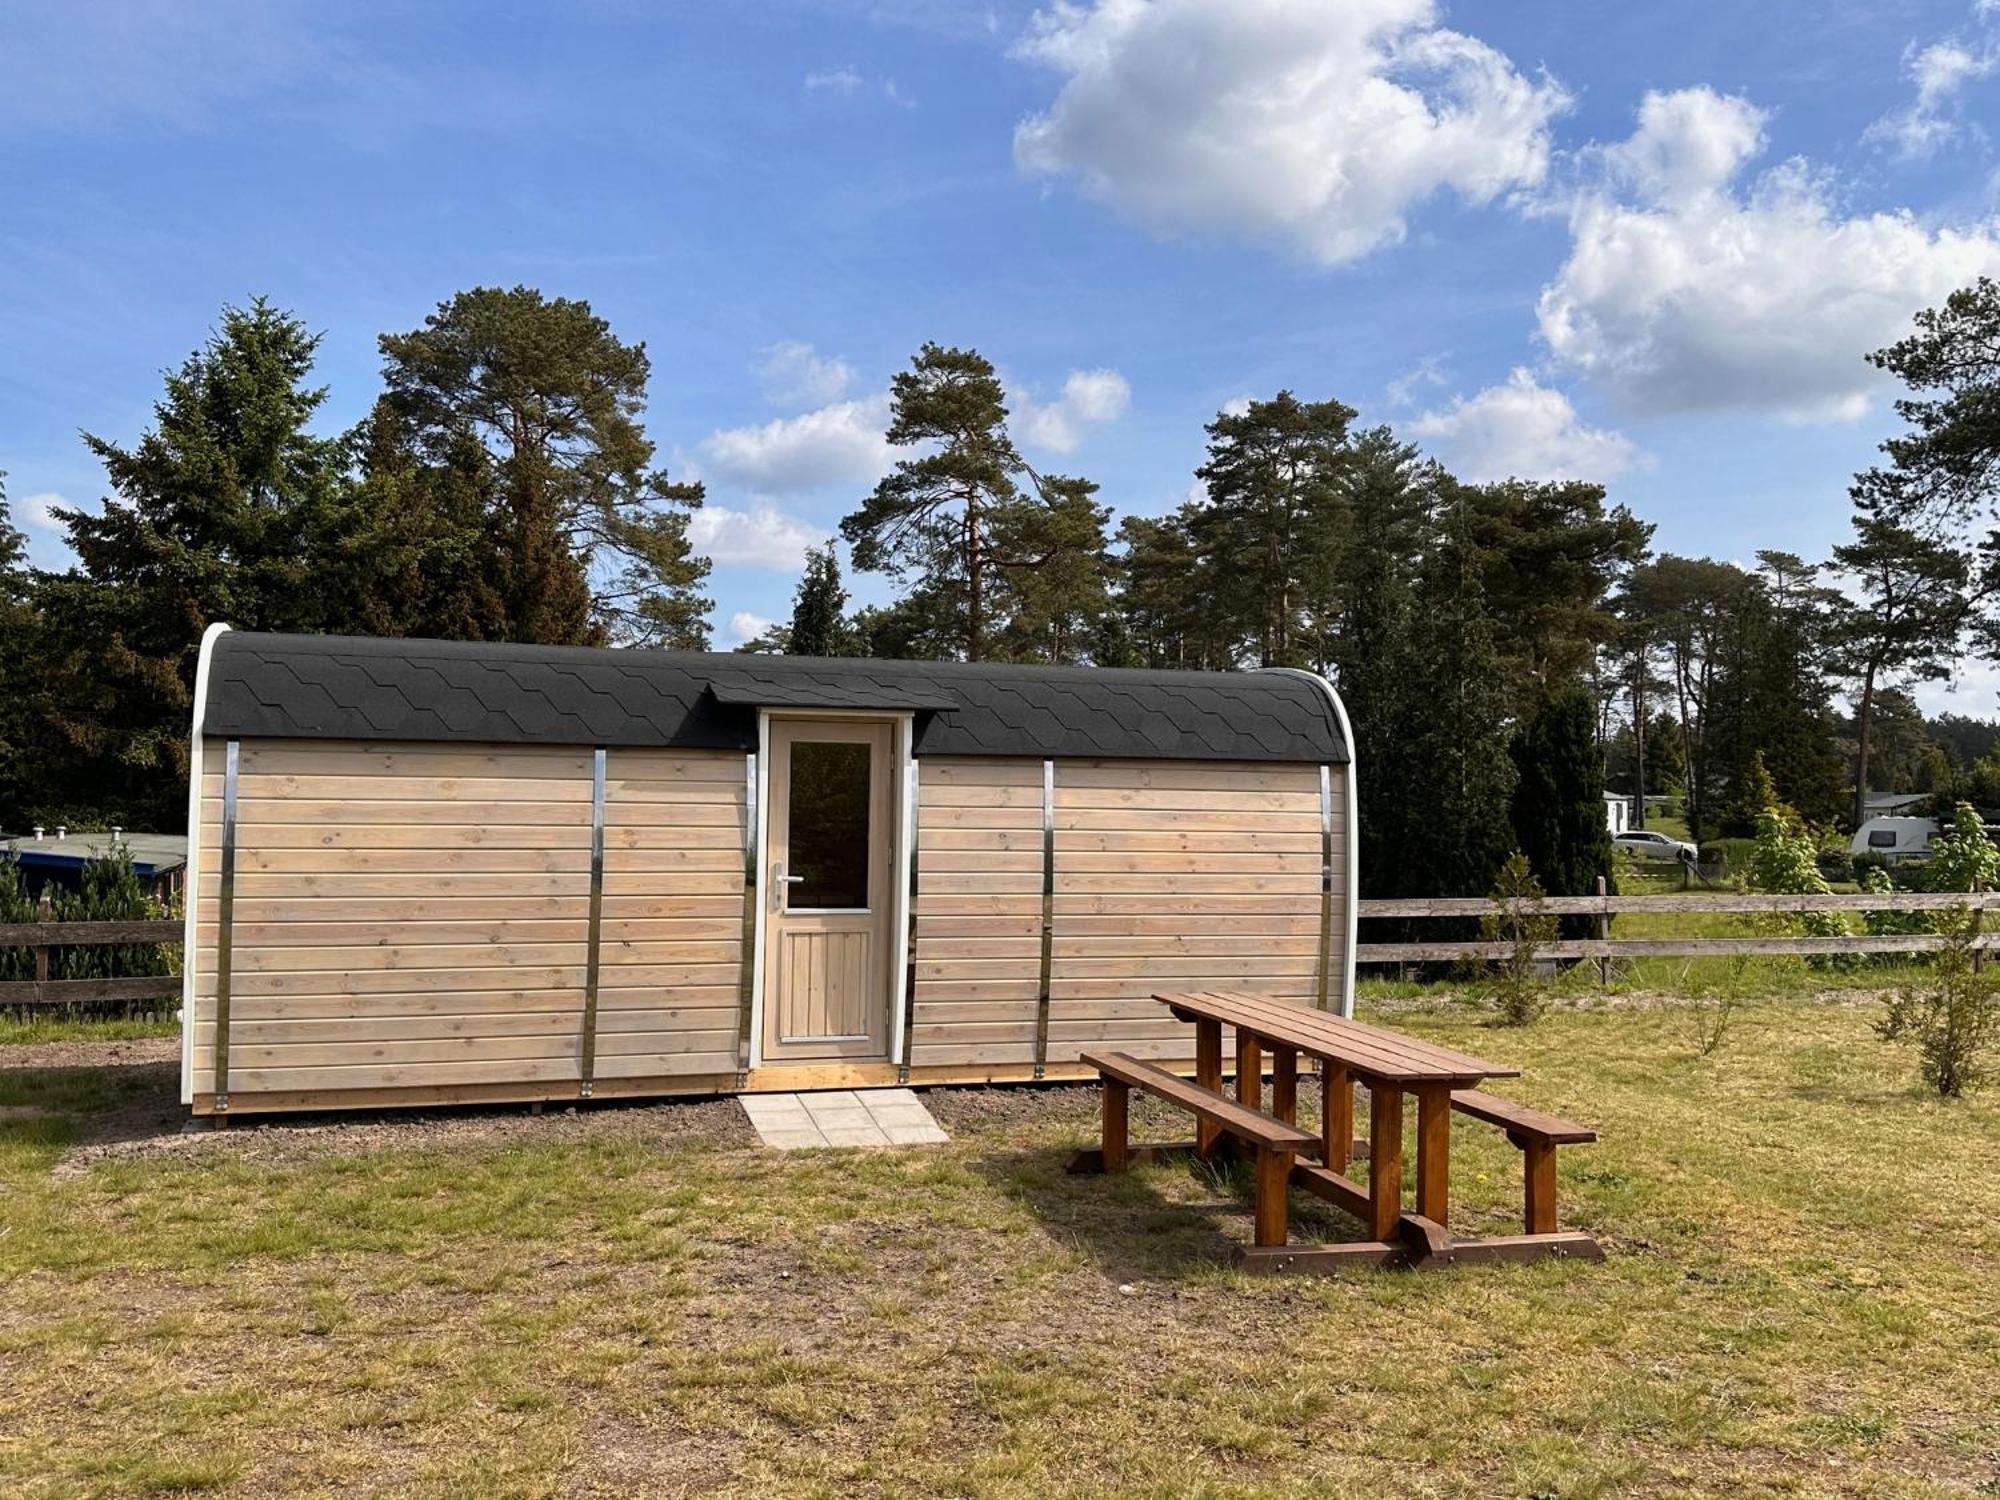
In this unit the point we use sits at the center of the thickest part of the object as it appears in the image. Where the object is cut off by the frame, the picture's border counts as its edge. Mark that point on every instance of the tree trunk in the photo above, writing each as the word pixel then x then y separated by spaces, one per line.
pixel 1639 742
pixel 1862 717
pixel 975 583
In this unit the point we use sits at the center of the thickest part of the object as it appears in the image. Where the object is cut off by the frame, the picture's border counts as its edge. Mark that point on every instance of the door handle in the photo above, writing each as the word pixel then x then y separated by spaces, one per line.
pixel 779 880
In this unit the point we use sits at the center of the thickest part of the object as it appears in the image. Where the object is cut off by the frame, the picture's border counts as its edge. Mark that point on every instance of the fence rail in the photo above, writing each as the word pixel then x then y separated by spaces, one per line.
pixel 44 937
pixel 1605 948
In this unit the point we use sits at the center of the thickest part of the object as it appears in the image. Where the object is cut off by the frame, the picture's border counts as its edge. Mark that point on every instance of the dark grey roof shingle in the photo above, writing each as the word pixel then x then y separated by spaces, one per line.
pixel 345 687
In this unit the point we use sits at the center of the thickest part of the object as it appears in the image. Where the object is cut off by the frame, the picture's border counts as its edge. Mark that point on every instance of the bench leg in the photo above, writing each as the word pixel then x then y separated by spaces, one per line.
pixel 1434 1153
pixel 1336 1109
pixel 1285 1084
pixel 1249 1071
pixel 1540 1171
pixel 1207 1073
pixel 1117 1129
pixel 1385 1160
pixel 1274 1176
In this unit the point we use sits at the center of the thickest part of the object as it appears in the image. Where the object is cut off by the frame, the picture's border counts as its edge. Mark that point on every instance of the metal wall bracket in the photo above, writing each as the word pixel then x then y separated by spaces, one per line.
pixel 225 920
pixel 1048 919
pixel 747 954
pixel 1326 885
pixel 587 1062
pixel 910 947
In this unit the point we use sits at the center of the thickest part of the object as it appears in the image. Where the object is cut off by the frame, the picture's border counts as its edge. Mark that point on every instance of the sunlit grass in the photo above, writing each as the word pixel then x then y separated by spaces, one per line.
pixel 1802 1298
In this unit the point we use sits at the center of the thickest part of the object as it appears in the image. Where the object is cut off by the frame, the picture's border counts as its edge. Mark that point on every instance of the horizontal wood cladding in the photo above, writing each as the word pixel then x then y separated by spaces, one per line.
pixel 417 917
pixel 982 820
pixel 1166 876
pixel 1178 876
pixel 673 833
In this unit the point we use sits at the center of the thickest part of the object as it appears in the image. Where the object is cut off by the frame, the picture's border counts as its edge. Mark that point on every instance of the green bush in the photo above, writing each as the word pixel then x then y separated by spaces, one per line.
pixel 109 890
pixel 1964 859
pixel 1520 918
pixel 1952 1016
pixel 1785 861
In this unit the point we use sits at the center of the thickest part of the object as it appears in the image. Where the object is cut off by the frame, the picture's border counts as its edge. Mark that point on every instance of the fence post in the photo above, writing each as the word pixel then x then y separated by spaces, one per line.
pixel 1603 934
pixel 1978 925
pixel 44 911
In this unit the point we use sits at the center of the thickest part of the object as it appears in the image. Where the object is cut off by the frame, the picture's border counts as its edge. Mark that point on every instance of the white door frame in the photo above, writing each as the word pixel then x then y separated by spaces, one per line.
pixel 902 824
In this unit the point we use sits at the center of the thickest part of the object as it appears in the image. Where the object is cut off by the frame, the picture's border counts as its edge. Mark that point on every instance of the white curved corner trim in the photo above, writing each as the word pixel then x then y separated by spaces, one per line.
pixel 190 895
pixel 1351 804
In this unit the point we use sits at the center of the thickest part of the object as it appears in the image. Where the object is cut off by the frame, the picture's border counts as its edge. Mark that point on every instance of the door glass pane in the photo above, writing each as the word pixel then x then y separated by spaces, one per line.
pixel 829 825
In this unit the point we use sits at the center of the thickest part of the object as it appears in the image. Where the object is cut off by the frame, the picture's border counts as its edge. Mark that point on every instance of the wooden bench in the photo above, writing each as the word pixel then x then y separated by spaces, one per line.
pixel 1276 1143
pixel 1537 1134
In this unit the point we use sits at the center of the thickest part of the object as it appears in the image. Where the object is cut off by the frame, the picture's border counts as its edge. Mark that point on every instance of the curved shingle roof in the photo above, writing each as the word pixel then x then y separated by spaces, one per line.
pixel 350 687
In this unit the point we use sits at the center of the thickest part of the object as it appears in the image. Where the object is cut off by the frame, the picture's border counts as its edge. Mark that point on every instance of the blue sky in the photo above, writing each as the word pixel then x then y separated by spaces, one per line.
pixel 1645 243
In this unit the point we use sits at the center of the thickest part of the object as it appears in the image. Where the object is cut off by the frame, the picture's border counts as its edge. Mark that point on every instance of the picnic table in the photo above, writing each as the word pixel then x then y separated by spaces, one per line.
pixel 1389 1065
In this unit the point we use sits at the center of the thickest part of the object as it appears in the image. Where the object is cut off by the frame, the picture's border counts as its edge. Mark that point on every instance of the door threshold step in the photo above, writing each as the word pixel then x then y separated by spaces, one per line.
pixel 841 1117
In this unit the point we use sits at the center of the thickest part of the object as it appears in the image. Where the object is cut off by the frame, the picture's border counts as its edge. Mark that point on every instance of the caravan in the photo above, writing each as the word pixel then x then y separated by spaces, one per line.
pixel 1895 839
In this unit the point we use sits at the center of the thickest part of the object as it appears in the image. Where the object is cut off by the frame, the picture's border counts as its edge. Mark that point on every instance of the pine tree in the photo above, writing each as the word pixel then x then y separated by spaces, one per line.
pixel 1275 521
pixel 534 404
pixel 819 625
pixel 1558 802
pixel 211 518
pixel 20 687
pixel 1453 727
pixel 931 519
pixel 1056 567
pixel 1913 609
pixel 1390 491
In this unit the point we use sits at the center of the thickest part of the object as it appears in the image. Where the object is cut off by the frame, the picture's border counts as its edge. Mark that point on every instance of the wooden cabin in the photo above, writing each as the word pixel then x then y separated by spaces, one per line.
pixel 441 872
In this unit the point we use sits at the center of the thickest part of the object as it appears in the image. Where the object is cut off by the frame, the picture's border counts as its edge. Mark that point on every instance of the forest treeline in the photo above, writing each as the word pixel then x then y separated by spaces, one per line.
pixel 1503 648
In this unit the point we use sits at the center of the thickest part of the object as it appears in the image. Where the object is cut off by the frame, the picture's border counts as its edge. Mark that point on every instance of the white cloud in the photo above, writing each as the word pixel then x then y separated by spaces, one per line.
pixel 1938 73
pixel 1402 391
pixel 841 80
pixel 762 537
pixel 840 443
pixel 1237 406
pixel 38 512
pixel 847 81
pixel 1523 430
pixel 1319 123
pixel 745 626
pixel 1688 288
pixel 1088 397
pixel 794 373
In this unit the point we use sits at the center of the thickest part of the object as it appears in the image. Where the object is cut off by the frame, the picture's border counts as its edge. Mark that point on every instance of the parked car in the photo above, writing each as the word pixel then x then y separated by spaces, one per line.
pixel 1895 840
pixel 1645 844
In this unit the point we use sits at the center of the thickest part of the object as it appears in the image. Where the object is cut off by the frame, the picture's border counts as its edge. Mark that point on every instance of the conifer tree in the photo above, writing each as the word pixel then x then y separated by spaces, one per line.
pixel 535 405
pixel 1453 727
pixel 819 625
pixel 930 521
pixel 1275 520
pixel 212 516
pixel 1558 802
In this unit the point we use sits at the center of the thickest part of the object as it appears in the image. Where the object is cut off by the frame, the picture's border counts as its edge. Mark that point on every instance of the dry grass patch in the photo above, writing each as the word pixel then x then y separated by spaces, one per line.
pixel 1803 1298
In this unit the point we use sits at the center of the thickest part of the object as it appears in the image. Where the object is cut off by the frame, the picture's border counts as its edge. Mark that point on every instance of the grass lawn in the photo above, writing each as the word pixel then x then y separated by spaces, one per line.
pixel 1802 1296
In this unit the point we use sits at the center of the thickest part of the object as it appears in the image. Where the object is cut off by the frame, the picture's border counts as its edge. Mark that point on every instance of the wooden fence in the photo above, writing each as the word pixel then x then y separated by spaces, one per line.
pixel 1605 948
pixel 44 937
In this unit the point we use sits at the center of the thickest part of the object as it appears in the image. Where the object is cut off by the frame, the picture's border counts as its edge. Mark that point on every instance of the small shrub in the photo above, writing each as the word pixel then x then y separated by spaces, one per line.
pixel 1520 918
pixel 1952 1015
pixel 1878 882
pixel 1963 859
pixel 1713 1010
pixel 1784 861
pixel 1865 864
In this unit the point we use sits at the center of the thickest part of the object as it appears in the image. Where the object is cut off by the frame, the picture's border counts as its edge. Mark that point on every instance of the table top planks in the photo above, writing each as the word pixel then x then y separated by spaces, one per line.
pixel 1368 1051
